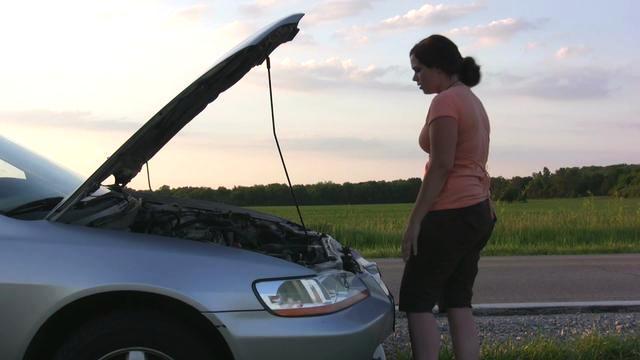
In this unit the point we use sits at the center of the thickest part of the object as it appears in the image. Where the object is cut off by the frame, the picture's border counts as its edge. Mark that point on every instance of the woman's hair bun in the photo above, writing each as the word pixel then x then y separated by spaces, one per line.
pixel 469 72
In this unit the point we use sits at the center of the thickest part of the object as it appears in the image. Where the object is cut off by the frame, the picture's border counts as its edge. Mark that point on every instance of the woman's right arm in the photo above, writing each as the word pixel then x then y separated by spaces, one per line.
pixel 443 137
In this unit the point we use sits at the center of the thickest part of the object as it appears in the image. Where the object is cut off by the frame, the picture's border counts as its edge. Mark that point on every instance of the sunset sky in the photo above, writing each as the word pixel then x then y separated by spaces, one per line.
pixel 561 84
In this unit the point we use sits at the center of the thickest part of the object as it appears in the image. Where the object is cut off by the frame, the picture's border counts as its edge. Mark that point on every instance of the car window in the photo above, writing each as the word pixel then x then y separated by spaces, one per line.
pixel 26 177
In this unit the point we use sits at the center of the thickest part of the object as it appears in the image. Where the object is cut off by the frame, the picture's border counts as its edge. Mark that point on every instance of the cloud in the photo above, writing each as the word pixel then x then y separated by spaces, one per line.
pixel 428 14
pixel 305 39
pixel 192 13
pixel 572 86
pixel 354 147
pixel 230 34
pixel 560 84
pixel 635 125
pixel 344 146
pixel 73 120
pixel 258 7
pixel 566 52
pixel 495 32
pixel 626 125
pixel 355 35
pixel 336 73
pixel 335 10
pixel 522 160
pixel 533 45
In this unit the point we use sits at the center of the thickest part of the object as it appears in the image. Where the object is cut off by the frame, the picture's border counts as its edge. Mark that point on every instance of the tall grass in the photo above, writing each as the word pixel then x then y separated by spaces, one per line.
pixel 557 226
pixel 568 226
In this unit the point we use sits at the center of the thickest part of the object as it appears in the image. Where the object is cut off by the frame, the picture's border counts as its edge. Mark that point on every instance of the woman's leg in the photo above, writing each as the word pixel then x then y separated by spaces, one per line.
pixel 459 289
pixel 464 334
pixel 425 336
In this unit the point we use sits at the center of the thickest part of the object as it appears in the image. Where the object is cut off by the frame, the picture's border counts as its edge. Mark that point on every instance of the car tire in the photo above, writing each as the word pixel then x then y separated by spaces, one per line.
pixel 134 335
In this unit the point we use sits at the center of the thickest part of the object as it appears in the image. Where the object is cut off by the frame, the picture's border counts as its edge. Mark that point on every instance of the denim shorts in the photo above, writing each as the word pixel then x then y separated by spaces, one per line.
pixel 445 268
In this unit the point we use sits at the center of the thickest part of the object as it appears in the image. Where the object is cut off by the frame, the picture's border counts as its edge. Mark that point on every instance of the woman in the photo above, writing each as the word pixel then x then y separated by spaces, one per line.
pixel 452 219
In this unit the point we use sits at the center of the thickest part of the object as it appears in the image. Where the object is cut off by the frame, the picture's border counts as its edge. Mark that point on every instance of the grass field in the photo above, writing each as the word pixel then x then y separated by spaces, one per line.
pixel 556 226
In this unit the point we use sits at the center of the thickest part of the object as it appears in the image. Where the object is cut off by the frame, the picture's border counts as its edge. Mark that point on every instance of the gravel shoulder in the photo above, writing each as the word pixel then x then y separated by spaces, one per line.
pixel 518 328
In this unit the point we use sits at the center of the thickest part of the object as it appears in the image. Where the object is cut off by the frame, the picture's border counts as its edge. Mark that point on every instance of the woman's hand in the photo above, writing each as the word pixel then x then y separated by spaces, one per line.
pixel 410 241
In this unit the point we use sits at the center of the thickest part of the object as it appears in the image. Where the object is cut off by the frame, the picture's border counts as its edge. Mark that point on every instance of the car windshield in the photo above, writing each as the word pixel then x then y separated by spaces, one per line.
pixel 26 177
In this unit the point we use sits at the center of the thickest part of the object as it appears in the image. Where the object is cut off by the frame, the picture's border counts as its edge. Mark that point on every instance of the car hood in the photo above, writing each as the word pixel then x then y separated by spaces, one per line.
pixel 127 161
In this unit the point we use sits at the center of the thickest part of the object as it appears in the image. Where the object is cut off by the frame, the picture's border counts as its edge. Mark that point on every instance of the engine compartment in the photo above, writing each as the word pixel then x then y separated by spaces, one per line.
pixel 230 229
pixel 213 223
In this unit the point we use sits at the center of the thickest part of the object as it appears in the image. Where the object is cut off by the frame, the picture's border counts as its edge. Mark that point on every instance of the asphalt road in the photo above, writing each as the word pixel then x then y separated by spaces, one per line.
pixel 541 279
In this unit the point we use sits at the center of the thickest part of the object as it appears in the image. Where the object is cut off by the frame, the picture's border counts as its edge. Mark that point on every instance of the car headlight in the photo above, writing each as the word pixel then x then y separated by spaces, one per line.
pixel 322 294
pixel 373 269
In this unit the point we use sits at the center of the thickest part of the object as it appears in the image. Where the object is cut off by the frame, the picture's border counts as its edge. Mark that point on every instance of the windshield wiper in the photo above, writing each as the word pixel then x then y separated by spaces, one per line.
pixel 37 205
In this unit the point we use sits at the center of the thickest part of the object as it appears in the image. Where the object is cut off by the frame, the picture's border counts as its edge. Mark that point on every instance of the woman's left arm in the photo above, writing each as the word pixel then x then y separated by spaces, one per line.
pixel 443 137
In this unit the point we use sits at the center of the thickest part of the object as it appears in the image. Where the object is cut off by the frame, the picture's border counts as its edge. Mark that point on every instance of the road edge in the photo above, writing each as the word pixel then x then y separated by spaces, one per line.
pixel 550 308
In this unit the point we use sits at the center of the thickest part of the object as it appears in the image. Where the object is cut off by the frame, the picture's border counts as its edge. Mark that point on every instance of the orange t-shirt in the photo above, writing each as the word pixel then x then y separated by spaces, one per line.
pixel 468 181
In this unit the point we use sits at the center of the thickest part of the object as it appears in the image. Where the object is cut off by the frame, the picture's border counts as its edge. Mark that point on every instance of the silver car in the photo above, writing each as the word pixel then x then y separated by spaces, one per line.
pixel 97 272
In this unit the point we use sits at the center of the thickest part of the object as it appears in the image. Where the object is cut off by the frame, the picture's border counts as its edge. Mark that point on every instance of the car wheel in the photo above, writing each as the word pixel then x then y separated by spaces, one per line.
pixel 134 335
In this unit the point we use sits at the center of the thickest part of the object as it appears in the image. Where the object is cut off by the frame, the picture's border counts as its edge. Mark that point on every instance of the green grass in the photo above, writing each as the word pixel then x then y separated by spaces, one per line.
pixel 589 347
pixel 538 227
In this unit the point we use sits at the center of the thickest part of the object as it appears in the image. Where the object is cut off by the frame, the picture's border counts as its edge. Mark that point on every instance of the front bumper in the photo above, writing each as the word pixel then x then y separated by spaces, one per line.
pixel 353 333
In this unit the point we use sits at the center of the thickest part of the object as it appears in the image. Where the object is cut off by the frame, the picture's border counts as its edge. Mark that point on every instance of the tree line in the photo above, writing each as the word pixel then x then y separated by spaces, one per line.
pixel 616 180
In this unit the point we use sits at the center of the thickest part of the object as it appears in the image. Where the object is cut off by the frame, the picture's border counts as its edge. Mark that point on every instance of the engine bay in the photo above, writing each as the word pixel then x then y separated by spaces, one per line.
pixel 213 223
pixel 230 229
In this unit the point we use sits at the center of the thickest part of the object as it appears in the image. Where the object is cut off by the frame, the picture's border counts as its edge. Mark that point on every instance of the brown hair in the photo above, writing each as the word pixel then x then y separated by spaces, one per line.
pixel 439 52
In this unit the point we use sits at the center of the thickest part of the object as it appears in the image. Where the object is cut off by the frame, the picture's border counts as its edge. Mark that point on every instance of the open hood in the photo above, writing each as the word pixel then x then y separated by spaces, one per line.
pixel 127 161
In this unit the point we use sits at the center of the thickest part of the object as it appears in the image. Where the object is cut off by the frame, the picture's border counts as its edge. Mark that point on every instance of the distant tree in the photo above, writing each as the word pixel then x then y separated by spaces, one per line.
pixel 540 185
pixel 616 180
pixel 628 185
pixel 511 194
pixel 498 187
pixel 164 189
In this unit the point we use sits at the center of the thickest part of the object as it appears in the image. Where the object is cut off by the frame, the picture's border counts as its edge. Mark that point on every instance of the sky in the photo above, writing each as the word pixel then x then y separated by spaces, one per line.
pixel 560 82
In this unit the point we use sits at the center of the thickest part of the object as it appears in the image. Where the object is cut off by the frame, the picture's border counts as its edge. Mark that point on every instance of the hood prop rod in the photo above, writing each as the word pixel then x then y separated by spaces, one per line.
pixel 273 123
